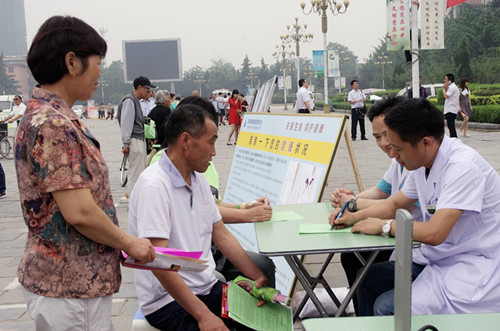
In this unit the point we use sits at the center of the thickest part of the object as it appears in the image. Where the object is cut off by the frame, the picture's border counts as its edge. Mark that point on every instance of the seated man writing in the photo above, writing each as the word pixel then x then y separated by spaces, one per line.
pixel 459 196
pixel 388 186
pixel 173 206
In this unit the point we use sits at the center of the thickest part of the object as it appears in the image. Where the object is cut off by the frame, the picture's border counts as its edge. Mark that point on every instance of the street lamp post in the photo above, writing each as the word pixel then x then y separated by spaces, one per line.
pixel 283 52
pixel 102 83
pixel 250 76
pixel 320 7
pixel 341 58
pixel 297 35
pixel 199 80
pixel 383 60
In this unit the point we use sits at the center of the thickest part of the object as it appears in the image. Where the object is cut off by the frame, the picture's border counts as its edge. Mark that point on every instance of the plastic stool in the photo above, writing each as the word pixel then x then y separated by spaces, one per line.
pixel 140 323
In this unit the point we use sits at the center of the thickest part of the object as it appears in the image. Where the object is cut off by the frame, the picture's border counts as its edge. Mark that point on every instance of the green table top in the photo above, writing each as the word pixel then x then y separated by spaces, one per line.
pixel 283 238
pixel 456 322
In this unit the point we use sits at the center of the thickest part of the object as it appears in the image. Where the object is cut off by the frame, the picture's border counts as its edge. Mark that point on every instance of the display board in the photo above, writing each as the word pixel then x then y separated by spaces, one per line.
pixel 287 158
pixel 264 95
pixel 159 60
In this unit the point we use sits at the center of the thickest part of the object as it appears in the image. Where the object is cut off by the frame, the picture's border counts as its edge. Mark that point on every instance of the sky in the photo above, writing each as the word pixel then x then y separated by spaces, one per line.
pixel 217 29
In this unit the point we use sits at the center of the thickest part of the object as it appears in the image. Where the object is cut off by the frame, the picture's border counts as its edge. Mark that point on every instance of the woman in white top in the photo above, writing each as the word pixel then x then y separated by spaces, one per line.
pixel 465 106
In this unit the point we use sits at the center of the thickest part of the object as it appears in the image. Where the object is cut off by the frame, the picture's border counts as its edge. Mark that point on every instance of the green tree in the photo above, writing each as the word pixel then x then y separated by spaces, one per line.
pixel 461 60
pixel 8 85
pixel 114 87
pixel 263 72
pixel 222 74
pixel 245 69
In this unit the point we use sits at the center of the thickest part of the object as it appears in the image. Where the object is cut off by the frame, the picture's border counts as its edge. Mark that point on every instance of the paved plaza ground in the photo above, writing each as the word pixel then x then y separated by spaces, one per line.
pixel 372 164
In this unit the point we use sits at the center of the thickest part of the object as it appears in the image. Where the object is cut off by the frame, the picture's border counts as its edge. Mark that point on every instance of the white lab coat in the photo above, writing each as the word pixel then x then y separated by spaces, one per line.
pixel 463 274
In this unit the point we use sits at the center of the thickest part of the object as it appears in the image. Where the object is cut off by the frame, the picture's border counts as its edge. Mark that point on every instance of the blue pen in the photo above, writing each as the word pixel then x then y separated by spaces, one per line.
pixel 340 214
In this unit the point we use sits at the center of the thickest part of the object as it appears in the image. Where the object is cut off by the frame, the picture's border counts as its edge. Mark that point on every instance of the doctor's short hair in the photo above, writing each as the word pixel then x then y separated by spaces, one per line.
pixel 383 106
pixel 301 82
pixel 414 119
pixel 186 118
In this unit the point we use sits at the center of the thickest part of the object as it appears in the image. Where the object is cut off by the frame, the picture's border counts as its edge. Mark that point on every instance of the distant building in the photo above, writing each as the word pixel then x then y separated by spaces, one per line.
pixel 13 44
pixel 13 28
pixel 17 67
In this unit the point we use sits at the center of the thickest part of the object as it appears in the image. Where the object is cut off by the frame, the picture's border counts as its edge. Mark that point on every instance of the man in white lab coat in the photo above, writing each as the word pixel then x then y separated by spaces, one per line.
pixel 459 196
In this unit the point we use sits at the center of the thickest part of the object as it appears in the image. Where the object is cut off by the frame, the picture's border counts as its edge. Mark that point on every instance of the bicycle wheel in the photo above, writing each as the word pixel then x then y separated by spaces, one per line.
pixel 7 147
pixel 123 171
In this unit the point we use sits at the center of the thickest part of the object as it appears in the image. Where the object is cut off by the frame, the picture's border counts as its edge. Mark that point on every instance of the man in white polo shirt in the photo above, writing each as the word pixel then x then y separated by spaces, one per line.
pixel 451 104
pixel 17 111
pixel 172 205
pixel 303 98
pixel 357 100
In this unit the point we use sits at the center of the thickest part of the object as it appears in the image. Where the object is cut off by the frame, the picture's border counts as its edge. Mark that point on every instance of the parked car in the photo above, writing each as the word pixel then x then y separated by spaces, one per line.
pixel 369 92
pixel 430 89
pixel 78 109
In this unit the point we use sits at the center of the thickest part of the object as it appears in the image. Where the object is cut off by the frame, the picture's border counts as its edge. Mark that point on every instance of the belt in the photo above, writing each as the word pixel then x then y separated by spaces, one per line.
pixel 356 108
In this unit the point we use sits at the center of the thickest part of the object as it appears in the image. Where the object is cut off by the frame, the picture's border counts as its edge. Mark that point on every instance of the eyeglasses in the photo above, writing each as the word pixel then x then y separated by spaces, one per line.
pixel 15 99
pixel 147 89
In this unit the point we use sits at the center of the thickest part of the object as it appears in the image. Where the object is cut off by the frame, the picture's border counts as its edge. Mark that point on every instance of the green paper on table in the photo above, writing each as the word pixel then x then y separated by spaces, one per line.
pixel 308 228
pixel 286 215
pixel 242 307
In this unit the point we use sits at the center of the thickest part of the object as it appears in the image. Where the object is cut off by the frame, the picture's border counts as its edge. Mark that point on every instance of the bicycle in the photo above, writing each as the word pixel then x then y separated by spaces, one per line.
pixel 123 171
pixel 6 142
pixel 7 147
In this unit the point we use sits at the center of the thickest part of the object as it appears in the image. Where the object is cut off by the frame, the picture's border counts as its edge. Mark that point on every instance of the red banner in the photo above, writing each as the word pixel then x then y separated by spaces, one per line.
pixel 452 3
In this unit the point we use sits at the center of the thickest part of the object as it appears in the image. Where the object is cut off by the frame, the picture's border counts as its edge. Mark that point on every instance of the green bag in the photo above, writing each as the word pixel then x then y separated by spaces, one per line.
pixel 150 130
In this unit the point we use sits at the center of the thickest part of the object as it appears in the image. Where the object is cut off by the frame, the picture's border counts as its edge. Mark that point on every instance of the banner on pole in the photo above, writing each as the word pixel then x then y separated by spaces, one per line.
pixel 398 25
pixel 318 64
pixel 333 63
pixel 432 22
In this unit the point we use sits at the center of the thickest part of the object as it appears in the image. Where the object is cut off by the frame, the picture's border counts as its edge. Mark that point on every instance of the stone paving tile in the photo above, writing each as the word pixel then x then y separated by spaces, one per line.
pixel 372 165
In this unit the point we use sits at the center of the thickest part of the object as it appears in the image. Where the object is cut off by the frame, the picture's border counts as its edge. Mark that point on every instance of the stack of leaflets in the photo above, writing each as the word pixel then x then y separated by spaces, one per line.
pixel 169 259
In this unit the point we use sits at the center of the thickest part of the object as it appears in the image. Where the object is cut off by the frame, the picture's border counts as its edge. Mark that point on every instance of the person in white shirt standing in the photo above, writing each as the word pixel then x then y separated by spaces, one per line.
pixel 303 97
pixel 451 104
pixel 357 100
pixel 17 111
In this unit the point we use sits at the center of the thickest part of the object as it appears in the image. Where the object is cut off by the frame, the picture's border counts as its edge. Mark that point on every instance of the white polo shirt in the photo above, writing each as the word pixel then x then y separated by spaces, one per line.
pixel 19 110
pixel 356 95
pixel 163 206
pixel 303 97
pixel 451 104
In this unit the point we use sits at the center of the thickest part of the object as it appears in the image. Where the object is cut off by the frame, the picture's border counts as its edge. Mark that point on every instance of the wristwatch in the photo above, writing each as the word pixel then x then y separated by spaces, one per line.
pixel 351 206
pixel 386 228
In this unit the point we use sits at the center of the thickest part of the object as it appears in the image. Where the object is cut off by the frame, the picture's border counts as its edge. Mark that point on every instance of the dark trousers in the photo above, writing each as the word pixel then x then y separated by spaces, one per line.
pixel 351 265
pixel 380 280
pixel 174 317
pixel 222 113
pixel 450 121
pixel 357 115
pixel 3 187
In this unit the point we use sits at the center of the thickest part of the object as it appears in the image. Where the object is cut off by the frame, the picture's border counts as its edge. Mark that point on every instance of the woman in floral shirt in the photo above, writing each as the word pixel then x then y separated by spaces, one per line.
pixel 70 267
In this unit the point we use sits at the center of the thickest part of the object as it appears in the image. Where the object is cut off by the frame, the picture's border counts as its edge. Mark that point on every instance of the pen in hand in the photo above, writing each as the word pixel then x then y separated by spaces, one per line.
pixel 340 214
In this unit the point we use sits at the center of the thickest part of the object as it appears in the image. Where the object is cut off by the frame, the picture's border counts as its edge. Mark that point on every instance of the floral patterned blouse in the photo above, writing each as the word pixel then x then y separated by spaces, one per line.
pixel 54 151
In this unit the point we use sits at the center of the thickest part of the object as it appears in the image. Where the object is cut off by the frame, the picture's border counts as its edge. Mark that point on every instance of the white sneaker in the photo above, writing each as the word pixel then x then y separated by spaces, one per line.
pixel 467 136
pixel 124 198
